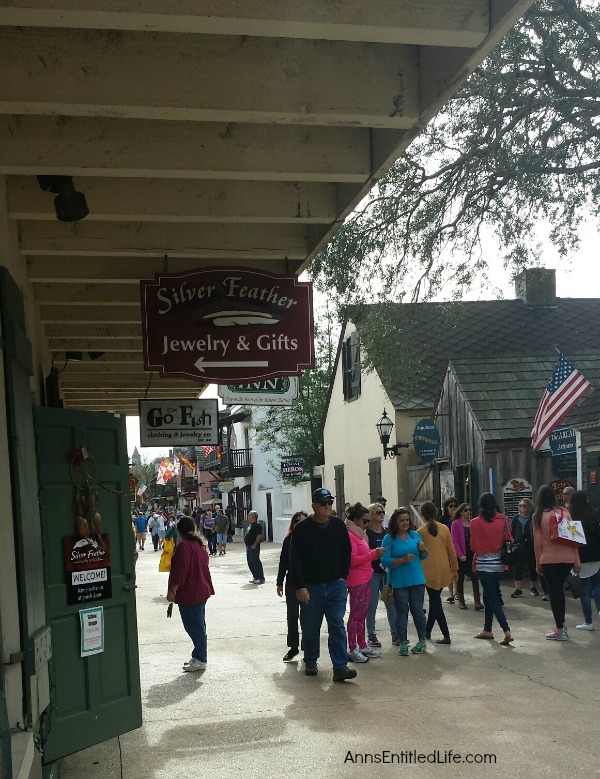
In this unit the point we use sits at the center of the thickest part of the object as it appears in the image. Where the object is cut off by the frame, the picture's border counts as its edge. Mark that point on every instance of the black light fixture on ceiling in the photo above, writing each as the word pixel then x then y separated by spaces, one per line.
pixel 384 428
pixel 70 205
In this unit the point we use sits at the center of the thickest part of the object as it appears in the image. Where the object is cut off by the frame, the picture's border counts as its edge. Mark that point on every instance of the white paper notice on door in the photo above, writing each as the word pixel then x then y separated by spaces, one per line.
pixel 92 631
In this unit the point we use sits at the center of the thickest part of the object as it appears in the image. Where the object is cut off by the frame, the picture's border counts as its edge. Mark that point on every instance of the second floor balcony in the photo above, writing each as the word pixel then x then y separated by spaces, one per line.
pixel 229 463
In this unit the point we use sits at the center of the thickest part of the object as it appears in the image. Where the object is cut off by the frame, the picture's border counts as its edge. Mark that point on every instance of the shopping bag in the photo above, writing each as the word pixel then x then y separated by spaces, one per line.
pixel 164 564
pixel 565 530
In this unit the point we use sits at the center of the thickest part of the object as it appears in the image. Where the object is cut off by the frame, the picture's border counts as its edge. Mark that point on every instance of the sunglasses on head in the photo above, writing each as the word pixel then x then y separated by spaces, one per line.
pixel 325 503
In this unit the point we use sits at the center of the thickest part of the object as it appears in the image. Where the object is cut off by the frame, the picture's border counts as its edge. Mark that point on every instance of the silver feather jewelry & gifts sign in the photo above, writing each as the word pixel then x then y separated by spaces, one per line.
pixel 227 326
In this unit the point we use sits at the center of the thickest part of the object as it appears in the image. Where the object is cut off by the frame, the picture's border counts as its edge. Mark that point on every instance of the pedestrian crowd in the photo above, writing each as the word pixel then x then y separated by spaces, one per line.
pixel 331 566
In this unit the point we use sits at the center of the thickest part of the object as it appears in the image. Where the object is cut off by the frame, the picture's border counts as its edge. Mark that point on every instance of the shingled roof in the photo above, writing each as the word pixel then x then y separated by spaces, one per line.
pixel 435 333
pixel 504 393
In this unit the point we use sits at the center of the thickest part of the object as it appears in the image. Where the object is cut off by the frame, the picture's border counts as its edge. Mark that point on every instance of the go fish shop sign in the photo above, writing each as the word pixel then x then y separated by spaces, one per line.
pixel 179 422
pixel 228 326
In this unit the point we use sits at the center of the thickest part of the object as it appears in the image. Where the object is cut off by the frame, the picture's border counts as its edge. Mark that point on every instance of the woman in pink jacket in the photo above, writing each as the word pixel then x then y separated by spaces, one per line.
pixel 359 582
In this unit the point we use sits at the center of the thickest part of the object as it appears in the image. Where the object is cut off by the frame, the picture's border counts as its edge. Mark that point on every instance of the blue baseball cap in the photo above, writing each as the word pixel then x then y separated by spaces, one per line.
pixel 321 494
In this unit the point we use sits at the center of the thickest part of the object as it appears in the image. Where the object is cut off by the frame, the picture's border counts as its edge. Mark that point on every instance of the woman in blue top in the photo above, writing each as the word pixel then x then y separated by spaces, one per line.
pixel 404 551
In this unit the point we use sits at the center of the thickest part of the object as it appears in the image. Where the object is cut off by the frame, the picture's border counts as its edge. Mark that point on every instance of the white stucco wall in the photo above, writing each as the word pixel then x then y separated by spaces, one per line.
pixel 285 498
pixel 351 439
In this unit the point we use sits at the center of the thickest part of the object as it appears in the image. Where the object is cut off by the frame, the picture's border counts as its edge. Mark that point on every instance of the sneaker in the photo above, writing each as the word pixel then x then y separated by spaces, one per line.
pixel 373 640
pixel 367 651
pixel 585 626
pixel 419 648
pixel 311 668
pixel 534 591
pixel 343 673
pixel 450 599
pixel 194 665
pixel 396 640
pixel 557 635
pixel 547 597
pixel 290 655
pixel 517 594
pixel 356 656
pixel 403 649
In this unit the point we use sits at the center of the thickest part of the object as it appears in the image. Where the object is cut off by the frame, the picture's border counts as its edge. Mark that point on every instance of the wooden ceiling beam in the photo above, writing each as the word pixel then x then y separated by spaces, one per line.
pixel 452 23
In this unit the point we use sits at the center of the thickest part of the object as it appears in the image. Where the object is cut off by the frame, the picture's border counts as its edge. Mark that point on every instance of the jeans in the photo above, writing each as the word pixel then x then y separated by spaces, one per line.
pixel 326 600
pixel 591 589
pixel 254 563
pixel 211 539
pixel 492 601
pixel 195 626
pixel 406 598
pixel 555 575
pixel 436 613
pixel 377 582
pixel 155 540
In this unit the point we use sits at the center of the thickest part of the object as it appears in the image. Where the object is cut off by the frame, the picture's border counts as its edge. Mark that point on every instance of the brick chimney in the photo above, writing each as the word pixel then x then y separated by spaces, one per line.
pixel 536 287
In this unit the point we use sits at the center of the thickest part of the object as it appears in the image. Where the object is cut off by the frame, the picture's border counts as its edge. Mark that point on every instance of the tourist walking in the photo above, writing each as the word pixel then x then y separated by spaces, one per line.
pixel 522 533
pixel 190 586
pixel 589 555
pixel 221 526
pixel 448 511
pixel 404 550
pixel 153 527
pixel 209 528
pixel 461 537
pixel 375 535
pixel 284 579
pixel 359 582
pixel 253 540
pixel 553 560
pixel 440 568
pixel 488 532
pixel 320 562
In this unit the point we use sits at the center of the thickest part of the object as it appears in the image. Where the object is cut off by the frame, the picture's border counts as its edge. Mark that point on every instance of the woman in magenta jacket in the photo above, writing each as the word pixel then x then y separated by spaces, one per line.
pixel 461 537
pixel 359 582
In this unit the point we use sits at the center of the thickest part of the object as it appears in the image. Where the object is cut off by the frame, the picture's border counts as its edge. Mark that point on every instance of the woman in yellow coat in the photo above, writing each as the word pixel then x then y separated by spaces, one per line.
pixel 440 568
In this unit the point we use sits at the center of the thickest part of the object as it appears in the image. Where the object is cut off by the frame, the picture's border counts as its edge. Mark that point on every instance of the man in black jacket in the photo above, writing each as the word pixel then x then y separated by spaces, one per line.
pixel 253 539
pixel 319 564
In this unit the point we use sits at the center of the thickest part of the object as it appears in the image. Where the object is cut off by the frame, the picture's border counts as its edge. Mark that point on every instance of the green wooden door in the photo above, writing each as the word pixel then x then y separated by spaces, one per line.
pixel 97 697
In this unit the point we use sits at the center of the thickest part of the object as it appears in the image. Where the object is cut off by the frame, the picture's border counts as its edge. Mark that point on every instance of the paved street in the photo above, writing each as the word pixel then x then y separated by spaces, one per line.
pixel 533 705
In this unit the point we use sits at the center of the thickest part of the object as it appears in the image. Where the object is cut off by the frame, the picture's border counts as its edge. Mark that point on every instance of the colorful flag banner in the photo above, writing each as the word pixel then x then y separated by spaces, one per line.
pixel 564 391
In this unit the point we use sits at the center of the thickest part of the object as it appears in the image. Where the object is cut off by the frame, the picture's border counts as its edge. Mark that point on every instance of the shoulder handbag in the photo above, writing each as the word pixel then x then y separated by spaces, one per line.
pixel 511 551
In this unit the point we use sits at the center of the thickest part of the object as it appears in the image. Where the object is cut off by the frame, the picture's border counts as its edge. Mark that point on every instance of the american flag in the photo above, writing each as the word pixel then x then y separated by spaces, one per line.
pixel 207 450
pixel 564 391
